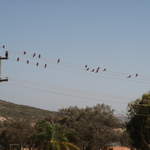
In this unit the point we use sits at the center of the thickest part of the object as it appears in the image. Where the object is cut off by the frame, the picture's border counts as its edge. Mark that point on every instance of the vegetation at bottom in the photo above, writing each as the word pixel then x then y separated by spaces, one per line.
pixel 89 128
pixel 138 124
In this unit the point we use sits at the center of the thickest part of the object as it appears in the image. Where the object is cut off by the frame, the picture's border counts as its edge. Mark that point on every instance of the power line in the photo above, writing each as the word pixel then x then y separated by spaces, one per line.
pixel 70 66
pixel 56 92
pixel 79 66
pixel 57 87
pixel 105 75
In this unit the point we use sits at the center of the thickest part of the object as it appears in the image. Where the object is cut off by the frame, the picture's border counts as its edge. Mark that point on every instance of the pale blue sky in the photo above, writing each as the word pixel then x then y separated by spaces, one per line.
pixel 110 33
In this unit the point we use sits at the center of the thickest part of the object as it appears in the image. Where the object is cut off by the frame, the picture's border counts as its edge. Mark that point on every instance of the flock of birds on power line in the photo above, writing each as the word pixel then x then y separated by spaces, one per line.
pixel 98 69
pixel 87 68
pixel 58 61
pixel 38 56
pixel 94 70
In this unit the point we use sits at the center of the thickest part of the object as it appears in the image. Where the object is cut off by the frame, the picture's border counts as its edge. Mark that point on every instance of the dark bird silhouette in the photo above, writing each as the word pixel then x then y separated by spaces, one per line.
pixel 27 61
pixel 129 76
pixel 34 54
pixel 45 65
pixel 92 70
pixel 87 69
pixel 39 56
pixel 97 70
pixel 85 66
pixel 17 58
pixel 104 69
pixel 24 52
pixel 3 46
pixel 37 64
pixel 136 75
pixel 58 61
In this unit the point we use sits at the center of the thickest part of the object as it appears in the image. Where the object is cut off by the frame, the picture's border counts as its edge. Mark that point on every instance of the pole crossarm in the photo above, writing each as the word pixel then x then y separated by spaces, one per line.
pixel 3 79
pixel 2 58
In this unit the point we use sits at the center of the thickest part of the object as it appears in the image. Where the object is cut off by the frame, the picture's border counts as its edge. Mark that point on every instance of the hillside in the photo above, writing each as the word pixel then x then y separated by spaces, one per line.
pixel 10 110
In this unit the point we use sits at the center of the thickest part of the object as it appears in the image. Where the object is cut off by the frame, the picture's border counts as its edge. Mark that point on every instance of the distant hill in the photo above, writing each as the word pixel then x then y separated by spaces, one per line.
pixel 13 111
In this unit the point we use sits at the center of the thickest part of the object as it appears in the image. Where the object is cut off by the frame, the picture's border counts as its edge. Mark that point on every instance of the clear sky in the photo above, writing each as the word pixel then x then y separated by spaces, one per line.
pixel 114 34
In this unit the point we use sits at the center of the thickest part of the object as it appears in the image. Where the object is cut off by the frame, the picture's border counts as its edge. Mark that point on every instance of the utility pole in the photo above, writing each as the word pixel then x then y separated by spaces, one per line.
pixel 3 58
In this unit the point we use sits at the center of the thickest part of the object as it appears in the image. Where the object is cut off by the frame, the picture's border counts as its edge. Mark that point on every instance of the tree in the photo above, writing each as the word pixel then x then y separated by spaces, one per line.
pixel 50 135
pixel 138 125
pixel 94 126
pixel 42 134
pixel 15 132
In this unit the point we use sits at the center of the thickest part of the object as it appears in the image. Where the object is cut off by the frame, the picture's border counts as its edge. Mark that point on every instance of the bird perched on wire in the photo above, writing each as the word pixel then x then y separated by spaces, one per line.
pixel 97 70
pixel 37 64
pixel 39 56
pixel 17 58
pixel 3 46
pixel 92 70
pixel 85 66
pixel 45 65
pixel 104 69
pixel 129 76
pixel 136 75
pixel 58 60
pixel 34 54
pixel 24 52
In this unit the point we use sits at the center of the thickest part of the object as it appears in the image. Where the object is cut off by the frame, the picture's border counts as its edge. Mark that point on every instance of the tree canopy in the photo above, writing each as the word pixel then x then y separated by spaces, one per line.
pixel 138 125
pixel 94 126
pixel 88 128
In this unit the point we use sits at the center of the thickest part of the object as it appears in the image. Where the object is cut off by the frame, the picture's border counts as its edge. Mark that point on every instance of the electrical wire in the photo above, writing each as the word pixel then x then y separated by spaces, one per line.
pixel 70 89
pixel 54 92
pixel 105 75
pixel 77 66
